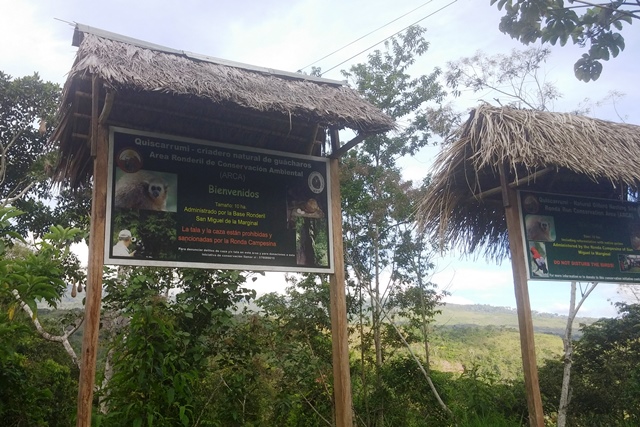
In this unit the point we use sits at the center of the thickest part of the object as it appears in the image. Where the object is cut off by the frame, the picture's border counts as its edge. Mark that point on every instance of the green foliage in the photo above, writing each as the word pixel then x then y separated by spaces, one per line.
pixel 38 272
pixel 551 21
pixel 27 108
pixel 301 325
pixel 274 368
pixel 259 377
pixel 408 400
pixel 24 102
pixel 7 233
pixel 485 395
pixel 39 381
pixel 513 79
pixel 607 374
pixel 605 380
pixel 376 200
pixel 36 392
pixel 378 205
pixel 41 272
pixel 160 354
pixel 493 352
pixel 154 376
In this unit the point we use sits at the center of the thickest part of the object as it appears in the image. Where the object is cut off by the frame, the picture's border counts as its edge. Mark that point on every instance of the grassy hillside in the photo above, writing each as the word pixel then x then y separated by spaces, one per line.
pixel 485 340
pixel 487 315
pixel 492 352
pixel 481 339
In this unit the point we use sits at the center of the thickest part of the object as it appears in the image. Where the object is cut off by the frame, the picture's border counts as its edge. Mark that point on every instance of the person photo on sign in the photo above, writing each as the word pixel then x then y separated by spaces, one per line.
pixel 121 249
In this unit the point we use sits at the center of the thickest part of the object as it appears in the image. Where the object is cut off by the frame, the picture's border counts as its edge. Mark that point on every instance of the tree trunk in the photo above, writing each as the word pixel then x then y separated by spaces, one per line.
pixel 63 339
pixel 377 324
pixel 363 349
pixel 568 352
pixel 108 374
pixel 424 370
pixel 425 330
pixel 565 392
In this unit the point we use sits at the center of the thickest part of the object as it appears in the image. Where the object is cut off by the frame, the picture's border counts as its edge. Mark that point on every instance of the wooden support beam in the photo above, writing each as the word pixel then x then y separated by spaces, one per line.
pixel 513 184
pixel 525 319
pixel 218 122
pixel 336 153
pixel 95 105
pixel 100 140
pixel 106 108
pixel 312 140
pixel 337 283
pixel 81 94
pixel 80 136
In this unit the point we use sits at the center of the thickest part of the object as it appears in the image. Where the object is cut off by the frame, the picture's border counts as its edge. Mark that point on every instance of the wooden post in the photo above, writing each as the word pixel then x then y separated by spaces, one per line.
pixel 99 137
pixel 339 334
pixel 525 320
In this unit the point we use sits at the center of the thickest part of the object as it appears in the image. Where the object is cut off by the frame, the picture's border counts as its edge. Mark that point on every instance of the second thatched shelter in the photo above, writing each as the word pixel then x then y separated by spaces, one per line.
pixel 538 151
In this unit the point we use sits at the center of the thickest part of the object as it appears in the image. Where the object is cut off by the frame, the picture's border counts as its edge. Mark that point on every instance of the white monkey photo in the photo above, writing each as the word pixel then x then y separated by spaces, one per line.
pixel 540 228
pixel 142 190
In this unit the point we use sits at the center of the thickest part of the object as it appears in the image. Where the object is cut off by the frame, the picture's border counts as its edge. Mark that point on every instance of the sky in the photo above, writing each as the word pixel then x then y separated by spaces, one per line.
pixel 289 35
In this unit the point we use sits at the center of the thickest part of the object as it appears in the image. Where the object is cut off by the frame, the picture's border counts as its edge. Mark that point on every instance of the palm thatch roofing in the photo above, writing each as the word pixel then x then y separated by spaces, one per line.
pixel 539 151
pixel 155 88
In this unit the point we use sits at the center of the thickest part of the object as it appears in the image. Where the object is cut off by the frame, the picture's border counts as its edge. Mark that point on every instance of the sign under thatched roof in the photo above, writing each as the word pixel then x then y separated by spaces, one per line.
pixel 165 90
pixel 541 151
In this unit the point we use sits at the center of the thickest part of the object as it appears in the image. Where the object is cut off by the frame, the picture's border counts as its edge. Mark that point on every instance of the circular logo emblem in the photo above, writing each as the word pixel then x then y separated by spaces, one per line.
pixel 129 160
pixel 316 182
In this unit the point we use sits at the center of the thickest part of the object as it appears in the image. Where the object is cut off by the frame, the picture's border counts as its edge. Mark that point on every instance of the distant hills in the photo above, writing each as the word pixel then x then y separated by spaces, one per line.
pixel 507 317
pixel 452 315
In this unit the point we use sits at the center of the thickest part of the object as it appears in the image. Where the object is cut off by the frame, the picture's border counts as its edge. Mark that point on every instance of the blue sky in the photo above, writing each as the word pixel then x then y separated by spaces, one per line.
pixel 288 35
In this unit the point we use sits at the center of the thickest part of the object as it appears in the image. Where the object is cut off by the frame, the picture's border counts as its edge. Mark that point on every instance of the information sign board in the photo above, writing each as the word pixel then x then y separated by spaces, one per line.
pixel 571 238
pixel 179 202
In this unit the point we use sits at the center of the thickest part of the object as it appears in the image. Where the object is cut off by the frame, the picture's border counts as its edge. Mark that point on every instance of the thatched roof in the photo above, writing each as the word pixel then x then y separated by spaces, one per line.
pixel 166 90
pixel 540 151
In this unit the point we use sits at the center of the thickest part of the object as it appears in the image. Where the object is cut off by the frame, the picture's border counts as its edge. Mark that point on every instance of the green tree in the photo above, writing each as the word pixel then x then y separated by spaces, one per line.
pixel 585 23
pixel 39 382
pixel 27 158
pixel 511 80
pixel 299 327
pixel 605 387
pixel 377 202
pixel 27 105
pixel 607 381
pixel 162 325
pixel 40 389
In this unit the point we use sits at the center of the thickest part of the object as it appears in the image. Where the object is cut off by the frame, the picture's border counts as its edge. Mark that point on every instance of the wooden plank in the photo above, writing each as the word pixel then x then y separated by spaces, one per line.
pixel 340 151
pixel 94 280
pixel 339 333
pixel 95 106
pixel 312 140
pixel 525 319
pixel 516 183
pixel 106 108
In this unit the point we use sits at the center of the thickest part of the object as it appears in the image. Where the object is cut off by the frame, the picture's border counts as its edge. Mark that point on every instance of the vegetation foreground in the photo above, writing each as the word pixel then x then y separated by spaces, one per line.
pixel 182 361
